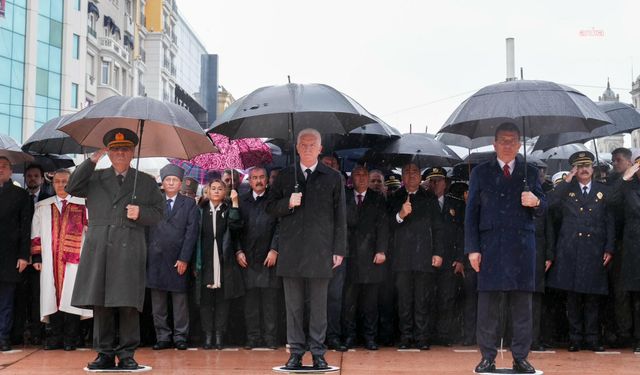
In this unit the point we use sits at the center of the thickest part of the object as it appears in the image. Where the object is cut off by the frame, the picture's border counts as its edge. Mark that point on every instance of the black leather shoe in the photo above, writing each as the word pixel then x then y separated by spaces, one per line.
pixel 523 366
pixel 181 345
pixel 102 362
pixel 404 344
pixel 319 363
pixel 219 342
pixel 294 362
pixel 636 347
pixel 486 365
pixel 370 345
pixel 596 347
pixel 5 346
pixel 335 344
pixel 69 348
pixel 423 345
pixel 271 344
pixel 161 345
pixel 208 341
pixel 574 347
pixel 56 346
pixel 350 342
pixel 251 343
pixel 537 347
pixel 128 364
pixel 468 343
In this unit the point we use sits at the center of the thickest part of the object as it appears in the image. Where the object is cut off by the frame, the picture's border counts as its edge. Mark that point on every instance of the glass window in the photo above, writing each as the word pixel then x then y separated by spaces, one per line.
pixel 41 113
pixel 4 124
pixel 42 60
pixel 5 43
pixel 56 33
pixel 15 128
pixel 91 63
pixel 54 85
pixel 19 20
pixel 53 109
pixel 74 95
pixel 55 59
pixel 75 53
pixel 18 47
pixel 116 77
pixel 5 99
pixel 104 76
pixel 17 75
pixel 42 82
pixel 8 16
pixel 5 70
pixel 41 104
pixel 56 10
pixel 45 8
pixel 16 102
pixel 77 4
pixel 43 29
pixel 20 3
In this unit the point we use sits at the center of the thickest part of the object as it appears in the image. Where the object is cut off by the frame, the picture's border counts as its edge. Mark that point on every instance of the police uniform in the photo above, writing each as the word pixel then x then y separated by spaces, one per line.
pixel 586 233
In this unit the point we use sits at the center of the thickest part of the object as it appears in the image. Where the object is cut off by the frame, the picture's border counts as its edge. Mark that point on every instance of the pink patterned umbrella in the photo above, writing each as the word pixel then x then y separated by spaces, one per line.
pixel 236 154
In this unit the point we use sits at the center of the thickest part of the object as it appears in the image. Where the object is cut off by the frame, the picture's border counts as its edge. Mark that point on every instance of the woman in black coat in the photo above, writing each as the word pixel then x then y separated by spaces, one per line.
pixel 218 277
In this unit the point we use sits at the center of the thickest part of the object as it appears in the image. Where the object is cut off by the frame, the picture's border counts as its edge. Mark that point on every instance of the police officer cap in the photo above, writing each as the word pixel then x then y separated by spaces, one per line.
pixel 557 177
pixel 189 185
pixel 434 172
pixel 392 181
pixel 120 137
pixel 171 170
pixel 581 157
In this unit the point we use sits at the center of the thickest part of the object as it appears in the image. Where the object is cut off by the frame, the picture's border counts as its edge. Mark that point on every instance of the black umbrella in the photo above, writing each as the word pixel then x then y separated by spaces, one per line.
pixel 280 111
pixel 49 163
pixel 557 158
pixel 169 130
pixel 9 148
pixel 539 107
pixel 421 149
pixel 464 141
pixel 49 140
pixel 365 136
pixel 624 119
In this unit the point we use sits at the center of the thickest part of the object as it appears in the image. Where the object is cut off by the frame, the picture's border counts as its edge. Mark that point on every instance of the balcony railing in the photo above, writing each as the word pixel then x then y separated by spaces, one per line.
pixel 115 47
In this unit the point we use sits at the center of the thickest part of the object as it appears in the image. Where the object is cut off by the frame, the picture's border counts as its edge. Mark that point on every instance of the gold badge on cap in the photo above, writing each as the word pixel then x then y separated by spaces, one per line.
pixel 119 137
pixel 572 194
pixel 452 212
pixel 581 155
pixel 599 195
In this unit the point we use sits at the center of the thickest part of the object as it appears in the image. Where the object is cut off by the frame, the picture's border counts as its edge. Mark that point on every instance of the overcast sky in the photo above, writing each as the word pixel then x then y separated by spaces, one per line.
pixel 413 62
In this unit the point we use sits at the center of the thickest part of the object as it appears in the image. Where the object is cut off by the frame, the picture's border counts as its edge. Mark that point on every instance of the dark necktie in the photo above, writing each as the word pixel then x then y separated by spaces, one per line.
pixel 307 173
pixel 584 192
pixel 507 171
pixel 64 204
pixel 359 199
pixel 120 179
pixel 169 201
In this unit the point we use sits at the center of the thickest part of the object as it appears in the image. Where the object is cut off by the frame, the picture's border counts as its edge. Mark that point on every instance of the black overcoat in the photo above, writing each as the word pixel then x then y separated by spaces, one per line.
pixel 368 234
pixel 16 211
pixel 586 232
pixel 173 239
pixel 259 235
pixel 628 195
pixel 313 232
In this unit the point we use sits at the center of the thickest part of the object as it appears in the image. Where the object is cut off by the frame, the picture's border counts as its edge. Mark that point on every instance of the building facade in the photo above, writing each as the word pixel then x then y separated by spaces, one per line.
pixel 635 100
pixel 610 143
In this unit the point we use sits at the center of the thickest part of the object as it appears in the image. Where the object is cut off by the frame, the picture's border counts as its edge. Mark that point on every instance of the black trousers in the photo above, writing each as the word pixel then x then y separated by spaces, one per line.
pixel 63 328
pixel 160 312
pixel 470 313
pixel 257 300
pixel 415 293
pixel 387 307
pixel 445 298
pixel 27 305
pixel 635 302
pixel 536 314
pixel 489 317
pixel 363 298
pixel 104 331
pixel 7 291
pixel 213 306
pixel 297 291
pixel 583 313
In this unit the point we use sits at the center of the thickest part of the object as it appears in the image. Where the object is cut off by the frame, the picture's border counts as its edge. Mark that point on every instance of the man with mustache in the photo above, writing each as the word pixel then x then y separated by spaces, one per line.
pixel 583 249
pixel 257 255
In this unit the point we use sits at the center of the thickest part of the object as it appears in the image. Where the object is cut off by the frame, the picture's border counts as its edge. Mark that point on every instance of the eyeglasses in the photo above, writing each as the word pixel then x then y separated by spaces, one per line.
pixel 507 141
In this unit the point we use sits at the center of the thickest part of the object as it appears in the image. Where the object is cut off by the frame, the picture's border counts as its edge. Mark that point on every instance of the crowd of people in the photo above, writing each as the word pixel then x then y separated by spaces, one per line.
pixel 397 266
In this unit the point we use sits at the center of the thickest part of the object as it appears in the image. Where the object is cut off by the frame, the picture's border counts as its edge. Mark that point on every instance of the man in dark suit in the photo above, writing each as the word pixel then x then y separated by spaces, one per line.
pixel 112 270
pixel 416 249
pixel 27 298
pixel 16 211
pixel 368 240
pixel 257 256
pixel 171 245
pixel 451 211
pixel 313 241
pixel 583 249
pixel 500 242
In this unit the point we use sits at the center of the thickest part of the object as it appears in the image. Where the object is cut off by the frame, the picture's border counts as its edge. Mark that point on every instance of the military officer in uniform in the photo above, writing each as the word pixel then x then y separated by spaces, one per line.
pixel 583 249
pixel 451 211
pixel 112 270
